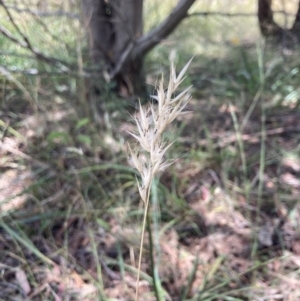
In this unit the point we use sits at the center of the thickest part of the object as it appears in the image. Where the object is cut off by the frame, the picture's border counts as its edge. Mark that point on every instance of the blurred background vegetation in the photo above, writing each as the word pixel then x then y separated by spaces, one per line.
pixel 225 215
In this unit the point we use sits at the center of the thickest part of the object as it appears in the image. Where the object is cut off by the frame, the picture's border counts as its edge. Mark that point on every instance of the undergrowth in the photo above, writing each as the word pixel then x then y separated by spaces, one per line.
pixel 225 218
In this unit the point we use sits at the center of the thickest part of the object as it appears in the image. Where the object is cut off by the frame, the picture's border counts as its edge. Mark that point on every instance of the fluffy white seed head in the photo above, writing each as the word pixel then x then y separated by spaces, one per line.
pixel 151 123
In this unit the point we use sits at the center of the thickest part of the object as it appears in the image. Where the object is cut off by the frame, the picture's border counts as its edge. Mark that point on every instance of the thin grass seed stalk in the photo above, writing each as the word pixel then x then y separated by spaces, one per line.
pixel 148 157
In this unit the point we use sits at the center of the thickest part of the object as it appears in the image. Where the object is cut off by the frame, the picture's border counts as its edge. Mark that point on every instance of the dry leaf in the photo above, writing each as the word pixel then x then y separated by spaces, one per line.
pixel 23 281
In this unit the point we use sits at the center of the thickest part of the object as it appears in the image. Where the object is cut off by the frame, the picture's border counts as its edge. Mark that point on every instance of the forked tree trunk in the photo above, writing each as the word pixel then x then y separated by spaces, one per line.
pixel 269 28
pixel 111 27
pixel 296 26
pixel 267 25
pixel 117 44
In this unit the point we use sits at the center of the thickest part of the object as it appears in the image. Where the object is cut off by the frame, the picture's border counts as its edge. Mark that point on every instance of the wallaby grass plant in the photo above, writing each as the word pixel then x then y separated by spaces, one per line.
pixel 148 157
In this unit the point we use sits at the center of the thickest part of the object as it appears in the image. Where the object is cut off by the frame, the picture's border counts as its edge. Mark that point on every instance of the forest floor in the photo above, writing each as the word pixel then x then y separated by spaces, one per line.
pixel 226 215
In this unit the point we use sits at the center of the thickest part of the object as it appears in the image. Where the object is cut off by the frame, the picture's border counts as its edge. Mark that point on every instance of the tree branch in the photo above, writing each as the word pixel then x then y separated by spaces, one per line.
pixel 25 43
pixel 10 36
pixel 57 13
pixel 233 15
pixel 122 60
pixel 146 43
pixel 37 53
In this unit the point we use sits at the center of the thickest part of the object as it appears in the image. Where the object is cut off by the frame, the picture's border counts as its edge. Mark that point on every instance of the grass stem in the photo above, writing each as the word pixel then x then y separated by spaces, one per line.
pixel 141 246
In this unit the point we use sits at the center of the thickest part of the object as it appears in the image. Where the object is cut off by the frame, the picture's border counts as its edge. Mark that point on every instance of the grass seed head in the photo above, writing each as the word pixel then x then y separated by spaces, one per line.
pixel 151 124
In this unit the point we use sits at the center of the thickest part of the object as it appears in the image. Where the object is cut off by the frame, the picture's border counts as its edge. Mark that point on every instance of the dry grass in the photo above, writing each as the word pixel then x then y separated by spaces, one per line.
pixel 149 157
pixel 225 221
pixel 74 233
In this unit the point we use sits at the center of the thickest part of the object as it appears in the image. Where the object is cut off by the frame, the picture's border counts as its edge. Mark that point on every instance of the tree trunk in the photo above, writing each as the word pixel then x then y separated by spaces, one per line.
pixel 116 41
pixel 296 26
pixel 112 27
pixel 128 28
pixel 267 25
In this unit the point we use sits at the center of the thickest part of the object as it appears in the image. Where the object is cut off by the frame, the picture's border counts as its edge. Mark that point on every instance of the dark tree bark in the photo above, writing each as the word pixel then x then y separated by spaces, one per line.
pixel 116 40
pixel 296 26
pixel 269 28
pixel 112 29
pixel 267 25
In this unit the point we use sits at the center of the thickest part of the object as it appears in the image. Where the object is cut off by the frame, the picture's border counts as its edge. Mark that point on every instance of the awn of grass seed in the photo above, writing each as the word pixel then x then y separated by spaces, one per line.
pixel 148 156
